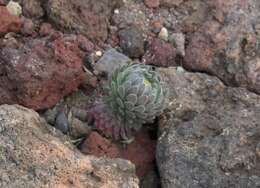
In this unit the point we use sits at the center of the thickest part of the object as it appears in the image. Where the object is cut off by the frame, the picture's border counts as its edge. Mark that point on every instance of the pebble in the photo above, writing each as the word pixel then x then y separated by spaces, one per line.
pixel 164 35
pixel 62 122
pixel 98 53
pixel 180 69
pixel 116 11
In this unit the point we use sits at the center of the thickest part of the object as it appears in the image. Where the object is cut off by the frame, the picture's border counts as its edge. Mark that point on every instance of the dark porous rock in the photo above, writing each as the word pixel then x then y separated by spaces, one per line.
pixel 89 17
pixel 225 43
pixel 210 134
pixel 132 41
pixel 41 71
pixel 33 154
pixel 160 53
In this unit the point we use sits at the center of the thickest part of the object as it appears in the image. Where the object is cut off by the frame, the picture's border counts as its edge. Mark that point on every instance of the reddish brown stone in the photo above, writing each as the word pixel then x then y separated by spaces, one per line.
pixel 88 17
pixel 96 145
pixel 152 3
pixel 160 53
pixel 40 72
pixel 141 151
pixel 8 22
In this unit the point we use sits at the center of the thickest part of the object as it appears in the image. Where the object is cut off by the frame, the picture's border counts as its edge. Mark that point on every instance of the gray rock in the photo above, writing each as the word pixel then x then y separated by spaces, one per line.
pixel 132 41
pixel 110 61
pixel 178 41
pixel 209 137
pixel 33 154
pixel 62 122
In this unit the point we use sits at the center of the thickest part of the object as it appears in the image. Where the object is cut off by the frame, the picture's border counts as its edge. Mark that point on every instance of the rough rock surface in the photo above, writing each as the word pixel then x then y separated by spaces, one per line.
pixel 89 17
pixel 99 146
pixel 140 152
pixel 160 53
pixel 225 42
pixel 33 8
pixel 210 136
pixel 132 41
pixel 34 155
pixel 8 22
pixel 41 71
pixel 110 61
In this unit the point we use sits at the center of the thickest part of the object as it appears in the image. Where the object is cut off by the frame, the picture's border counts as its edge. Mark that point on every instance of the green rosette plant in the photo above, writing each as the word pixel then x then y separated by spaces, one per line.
pixel 135 95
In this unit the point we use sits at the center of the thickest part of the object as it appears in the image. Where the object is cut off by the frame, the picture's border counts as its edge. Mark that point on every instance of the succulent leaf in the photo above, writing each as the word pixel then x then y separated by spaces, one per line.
pixel 132 98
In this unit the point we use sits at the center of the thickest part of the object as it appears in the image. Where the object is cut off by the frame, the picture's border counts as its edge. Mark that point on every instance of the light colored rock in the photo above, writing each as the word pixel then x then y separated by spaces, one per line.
pixel 163 34
pixel 14 8
pixel 33 155
pixel 98 53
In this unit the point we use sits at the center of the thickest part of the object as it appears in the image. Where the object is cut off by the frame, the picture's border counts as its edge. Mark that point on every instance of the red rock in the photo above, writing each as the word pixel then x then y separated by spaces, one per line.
pixel 160 53
pixel 96 145
pixel 40 72
pixel 152 3
pixel 8 22
pixel 141 151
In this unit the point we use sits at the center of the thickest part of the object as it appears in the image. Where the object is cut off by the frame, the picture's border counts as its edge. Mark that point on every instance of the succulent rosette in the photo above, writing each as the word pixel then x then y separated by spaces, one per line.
pixel 135 95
